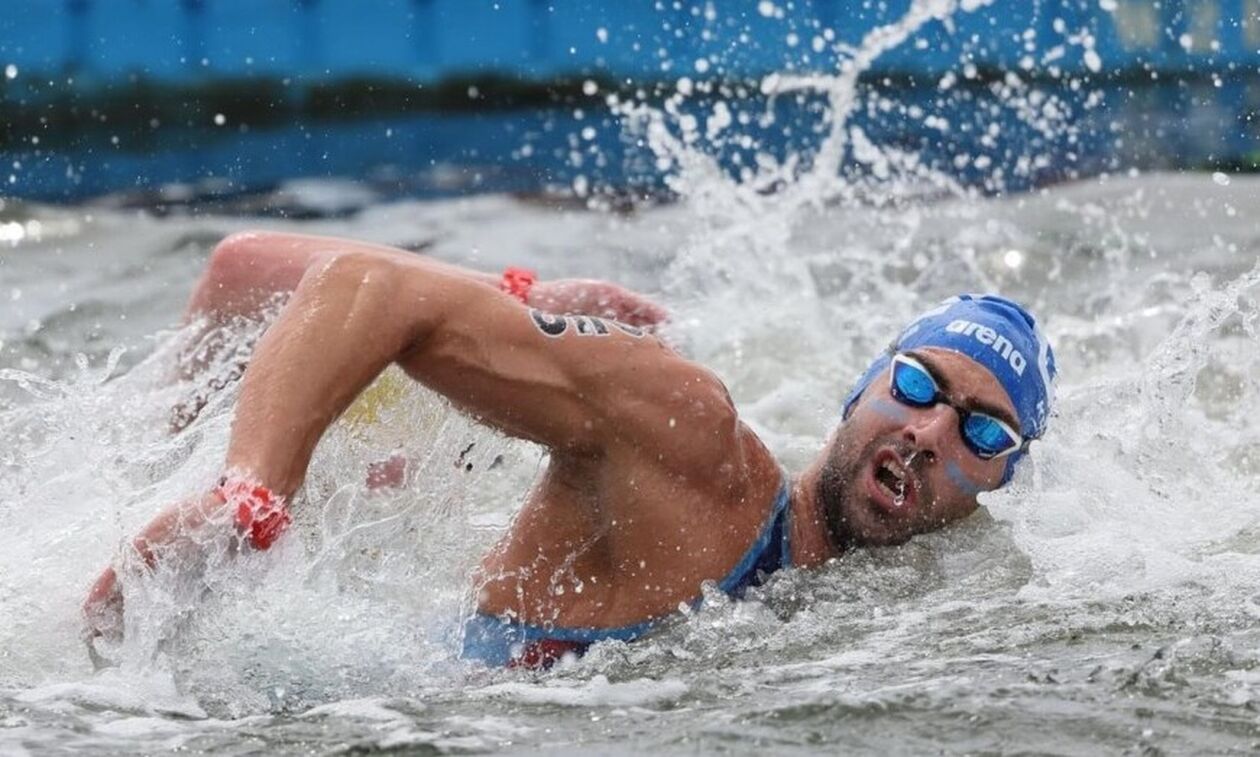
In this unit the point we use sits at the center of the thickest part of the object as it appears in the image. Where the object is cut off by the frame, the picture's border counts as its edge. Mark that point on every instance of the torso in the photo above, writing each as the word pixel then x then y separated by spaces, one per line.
pixel 626 537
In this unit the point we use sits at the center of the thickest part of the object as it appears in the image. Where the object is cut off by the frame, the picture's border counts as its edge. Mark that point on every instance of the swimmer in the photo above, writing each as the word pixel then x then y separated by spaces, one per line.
pixel 652 485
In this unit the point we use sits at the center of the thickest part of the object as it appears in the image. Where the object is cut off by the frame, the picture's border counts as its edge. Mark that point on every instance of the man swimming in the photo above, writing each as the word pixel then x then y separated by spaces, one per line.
pixel 653 485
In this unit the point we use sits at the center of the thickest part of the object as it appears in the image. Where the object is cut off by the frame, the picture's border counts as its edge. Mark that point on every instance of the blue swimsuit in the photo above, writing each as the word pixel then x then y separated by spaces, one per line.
pixel 501 642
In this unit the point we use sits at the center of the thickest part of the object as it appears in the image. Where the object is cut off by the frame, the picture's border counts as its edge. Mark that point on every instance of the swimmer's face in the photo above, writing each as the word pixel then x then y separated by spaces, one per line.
pixel 893 471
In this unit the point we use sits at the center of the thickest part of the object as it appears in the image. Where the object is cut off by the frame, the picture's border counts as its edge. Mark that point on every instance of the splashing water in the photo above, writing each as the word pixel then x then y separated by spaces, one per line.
pixel 1106 597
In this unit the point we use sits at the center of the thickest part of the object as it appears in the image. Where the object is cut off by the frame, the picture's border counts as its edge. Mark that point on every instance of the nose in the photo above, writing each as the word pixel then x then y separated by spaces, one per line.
pixel 930 429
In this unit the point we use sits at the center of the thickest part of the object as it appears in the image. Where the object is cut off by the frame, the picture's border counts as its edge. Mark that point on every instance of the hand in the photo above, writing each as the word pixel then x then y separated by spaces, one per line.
pixel 103 608
pixel 103 615
pixel 602 299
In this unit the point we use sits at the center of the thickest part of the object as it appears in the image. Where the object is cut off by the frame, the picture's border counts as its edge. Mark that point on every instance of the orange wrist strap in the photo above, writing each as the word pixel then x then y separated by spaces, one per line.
pixel 259 514
pixel 517 282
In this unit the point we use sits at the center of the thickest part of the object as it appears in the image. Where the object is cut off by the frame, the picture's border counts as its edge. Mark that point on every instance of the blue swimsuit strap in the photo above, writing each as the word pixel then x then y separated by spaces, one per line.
pixel 523 632
pixel 738 577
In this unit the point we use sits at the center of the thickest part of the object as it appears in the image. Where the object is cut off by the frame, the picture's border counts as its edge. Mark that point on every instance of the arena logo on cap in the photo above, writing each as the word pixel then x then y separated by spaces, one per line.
pixel 988 336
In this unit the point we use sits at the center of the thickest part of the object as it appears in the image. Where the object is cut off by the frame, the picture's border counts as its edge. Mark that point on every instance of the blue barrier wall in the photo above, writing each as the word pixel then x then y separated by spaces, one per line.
pixel 428 39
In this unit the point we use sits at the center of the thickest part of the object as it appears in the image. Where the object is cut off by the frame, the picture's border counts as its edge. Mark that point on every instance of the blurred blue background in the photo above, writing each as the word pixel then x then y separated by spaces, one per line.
pixel 429 39
pixel 420 97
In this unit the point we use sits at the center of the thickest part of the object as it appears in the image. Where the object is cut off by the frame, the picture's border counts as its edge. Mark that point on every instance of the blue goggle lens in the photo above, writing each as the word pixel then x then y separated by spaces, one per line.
pixel 986 435
pixel 913 385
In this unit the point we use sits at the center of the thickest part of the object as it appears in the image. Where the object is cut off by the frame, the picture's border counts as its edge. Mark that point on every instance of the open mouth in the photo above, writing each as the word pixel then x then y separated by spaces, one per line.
pixel 891 482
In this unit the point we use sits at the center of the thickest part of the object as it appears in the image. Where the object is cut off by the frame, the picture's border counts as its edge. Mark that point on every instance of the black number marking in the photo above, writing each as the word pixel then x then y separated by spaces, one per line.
pixel 583 325
pixel 589 326
pixel 551 325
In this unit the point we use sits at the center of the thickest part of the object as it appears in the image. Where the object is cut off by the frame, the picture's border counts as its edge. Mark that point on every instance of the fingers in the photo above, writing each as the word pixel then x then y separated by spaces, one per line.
pixel 103 620
pixel 103 608
pixel 635 309
pixel 644 312
pixel 106 585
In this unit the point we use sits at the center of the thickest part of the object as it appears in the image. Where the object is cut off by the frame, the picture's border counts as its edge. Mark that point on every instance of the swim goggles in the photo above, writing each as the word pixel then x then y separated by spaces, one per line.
pixel 911 383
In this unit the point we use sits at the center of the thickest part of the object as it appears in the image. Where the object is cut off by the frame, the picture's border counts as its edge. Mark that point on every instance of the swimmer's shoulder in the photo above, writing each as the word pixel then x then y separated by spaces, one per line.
pixel 684 418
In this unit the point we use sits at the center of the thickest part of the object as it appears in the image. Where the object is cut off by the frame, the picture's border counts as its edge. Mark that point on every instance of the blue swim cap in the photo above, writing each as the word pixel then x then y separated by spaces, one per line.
pixel 996 333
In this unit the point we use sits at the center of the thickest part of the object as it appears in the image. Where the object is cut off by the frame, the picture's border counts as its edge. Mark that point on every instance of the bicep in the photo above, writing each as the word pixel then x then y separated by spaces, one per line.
pixel 567 382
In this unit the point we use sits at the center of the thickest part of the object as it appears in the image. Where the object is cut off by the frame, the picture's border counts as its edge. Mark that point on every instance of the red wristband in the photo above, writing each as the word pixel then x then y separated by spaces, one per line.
pixel 517 282
pixel 258 512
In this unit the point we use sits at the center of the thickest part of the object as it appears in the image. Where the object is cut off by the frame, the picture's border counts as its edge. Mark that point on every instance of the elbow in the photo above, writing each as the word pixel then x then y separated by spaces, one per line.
pixel 368 276
pixel 367 290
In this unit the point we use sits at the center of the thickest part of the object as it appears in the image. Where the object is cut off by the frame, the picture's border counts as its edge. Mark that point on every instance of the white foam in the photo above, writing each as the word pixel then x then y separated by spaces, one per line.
pixel 114 691
pixel 357 709
pixel 596 692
